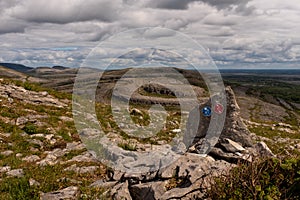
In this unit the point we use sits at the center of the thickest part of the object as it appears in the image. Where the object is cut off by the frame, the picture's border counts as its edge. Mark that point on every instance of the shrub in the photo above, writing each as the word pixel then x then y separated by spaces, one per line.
pixel 262 179
pixel 30 129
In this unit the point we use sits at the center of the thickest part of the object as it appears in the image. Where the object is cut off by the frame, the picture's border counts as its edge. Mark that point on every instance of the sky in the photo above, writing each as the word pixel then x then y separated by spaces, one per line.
pixel 236 33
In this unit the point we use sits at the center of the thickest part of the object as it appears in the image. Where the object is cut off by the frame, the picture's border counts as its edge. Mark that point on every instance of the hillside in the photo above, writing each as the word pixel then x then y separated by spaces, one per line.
pixel 43 157
pixel 16 67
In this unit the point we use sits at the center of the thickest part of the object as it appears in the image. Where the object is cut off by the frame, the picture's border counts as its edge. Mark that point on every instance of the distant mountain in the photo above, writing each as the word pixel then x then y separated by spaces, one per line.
pixel 17 67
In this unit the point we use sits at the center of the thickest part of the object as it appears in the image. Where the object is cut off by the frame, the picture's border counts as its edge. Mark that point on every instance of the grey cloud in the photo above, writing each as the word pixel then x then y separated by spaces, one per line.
pixel 221 4
pixel 10 26
pixel 183 4
pixel 170 4
pixel 63 11
pixel 4 4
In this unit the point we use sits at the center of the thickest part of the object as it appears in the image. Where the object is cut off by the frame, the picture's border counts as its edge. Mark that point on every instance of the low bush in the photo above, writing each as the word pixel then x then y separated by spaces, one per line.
pixel 261 179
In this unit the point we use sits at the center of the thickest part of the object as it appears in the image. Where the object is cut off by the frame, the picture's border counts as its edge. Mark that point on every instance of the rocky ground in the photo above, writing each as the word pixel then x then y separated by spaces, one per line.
pixel 41 153
pixel 42 156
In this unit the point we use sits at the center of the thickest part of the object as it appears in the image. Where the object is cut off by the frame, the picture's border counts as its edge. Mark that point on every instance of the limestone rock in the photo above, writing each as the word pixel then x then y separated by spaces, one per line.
pixel 150 191
pixel 263 150
pixel 121 191
pixel 69 193
pixel 82 170
pixel 5 169
pixel 32 158
pixel 231 146
pixel 221 155
pixel 37 98
pixel 65 179
pixel 18 155
pixel 85 157
pixel 7 153
pixel 192 170
pixel 33 182
pixel 117 175
pixel 74 146
pixel 15 173
pixel 64 118
pixel 104 184
pixel 49 160
pixel 21 121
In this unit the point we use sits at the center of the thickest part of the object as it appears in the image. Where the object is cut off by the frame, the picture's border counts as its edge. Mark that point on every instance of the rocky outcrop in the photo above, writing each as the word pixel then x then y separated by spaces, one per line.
pixel 186 178
pixel 12 92
pixel 190 175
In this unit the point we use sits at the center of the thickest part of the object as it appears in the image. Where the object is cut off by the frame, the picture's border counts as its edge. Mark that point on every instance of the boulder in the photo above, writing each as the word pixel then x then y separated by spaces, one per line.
pixel 231 146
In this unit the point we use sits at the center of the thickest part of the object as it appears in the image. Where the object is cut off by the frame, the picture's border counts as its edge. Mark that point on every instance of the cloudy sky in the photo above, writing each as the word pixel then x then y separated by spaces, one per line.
pixel 236 33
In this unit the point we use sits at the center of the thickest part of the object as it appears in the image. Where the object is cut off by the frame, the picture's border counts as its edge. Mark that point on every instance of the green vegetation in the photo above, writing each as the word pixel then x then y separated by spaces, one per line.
pixel 262 179
pixel 273 133
pixel 30 129
pixel 142 118
pixel 263 87
pixel 127 146
pixel 18 188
